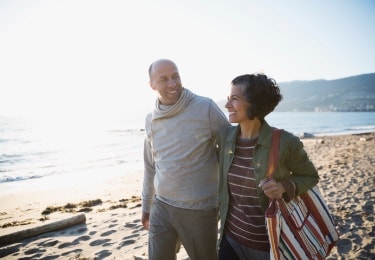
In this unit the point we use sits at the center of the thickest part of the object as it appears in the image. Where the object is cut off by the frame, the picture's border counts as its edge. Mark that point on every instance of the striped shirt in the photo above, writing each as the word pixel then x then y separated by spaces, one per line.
pixel 245 220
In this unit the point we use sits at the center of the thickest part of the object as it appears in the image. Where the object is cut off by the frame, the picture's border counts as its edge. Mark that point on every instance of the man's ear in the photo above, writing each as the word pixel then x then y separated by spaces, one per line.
pixel 151 86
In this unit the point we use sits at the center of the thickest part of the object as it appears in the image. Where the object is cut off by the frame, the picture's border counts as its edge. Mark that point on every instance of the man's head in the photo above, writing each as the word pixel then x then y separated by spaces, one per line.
pixel 165 79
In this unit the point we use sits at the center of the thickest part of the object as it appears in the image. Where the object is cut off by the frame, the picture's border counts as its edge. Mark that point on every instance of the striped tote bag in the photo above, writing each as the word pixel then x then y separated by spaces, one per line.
pixel 302 228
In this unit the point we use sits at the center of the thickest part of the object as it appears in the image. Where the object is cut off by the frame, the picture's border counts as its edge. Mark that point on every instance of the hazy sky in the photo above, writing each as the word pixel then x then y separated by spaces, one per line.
pixel 90 58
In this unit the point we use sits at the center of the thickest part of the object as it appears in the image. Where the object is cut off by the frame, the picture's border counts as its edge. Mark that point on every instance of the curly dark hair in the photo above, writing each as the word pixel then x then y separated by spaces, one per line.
pixel 261 92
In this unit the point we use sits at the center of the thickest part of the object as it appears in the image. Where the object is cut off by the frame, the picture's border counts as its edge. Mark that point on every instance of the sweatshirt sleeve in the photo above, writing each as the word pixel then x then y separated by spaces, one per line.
pixel 148 177
pixel 217 118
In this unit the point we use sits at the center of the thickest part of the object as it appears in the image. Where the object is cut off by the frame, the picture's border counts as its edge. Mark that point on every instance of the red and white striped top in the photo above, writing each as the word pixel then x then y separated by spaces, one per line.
pixel 245 221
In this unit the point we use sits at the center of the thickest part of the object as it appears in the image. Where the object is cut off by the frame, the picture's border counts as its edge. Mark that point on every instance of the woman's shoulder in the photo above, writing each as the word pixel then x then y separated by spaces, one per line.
pixel 290 138
pixel 288 134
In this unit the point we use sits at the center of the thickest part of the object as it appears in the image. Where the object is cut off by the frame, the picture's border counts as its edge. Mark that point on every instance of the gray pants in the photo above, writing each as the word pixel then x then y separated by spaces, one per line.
pixel 196 229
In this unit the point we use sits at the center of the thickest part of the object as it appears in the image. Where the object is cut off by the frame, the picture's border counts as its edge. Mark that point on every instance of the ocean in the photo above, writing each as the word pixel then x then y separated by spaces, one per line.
pixel 32 149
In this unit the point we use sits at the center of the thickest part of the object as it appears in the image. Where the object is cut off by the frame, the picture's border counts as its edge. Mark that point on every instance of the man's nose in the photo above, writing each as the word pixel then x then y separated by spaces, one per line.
pixel 171 83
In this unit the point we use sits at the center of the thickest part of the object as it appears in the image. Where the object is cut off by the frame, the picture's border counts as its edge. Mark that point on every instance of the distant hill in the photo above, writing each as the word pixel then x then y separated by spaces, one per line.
pixel 356 93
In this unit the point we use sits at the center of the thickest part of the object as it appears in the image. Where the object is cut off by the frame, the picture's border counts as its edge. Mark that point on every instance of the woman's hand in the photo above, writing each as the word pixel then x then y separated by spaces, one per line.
pixel 273 189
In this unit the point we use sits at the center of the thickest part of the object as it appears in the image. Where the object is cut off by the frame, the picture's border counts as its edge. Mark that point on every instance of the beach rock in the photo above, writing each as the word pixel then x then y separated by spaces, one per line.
pixel 305 135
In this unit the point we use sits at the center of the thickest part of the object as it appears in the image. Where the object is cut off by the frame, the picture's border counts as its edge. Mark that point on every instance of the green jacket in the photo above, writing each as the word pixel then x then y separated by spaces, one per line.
pixel 294 164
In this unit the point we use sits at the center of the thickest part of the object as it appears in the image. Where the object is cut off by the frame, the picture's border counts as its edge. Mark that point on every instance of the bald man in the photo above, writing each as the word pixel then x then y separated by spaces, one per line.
pixel 179 197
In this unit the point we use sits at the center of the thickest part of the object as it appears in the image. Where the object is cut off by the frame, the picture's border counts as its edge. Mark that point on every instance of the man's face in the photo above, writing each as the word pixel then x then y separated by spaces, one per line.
pixel 165 79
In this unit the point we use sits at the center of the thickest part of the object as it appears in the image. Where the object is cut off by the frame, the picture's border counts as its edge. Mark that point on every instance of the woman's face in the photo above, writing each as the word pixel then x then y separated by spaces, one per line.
pixel 237 105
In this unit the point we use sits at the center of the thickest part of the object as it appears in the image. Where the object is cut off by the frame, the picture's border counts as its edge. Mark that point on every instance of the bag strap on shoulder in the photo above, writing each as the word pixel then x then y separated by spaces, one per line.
pixel 274 153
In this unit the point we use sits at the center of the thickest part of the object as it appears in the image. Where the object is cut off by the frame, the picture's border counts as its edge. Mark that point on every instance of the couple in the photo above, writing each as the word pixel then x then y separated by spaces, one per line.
pixel 185 185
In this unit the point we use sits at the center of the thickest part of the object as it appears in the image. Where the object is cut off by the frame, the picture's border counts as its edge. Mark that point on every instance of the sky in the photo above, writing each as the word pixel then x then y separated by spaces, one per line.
pixel 78 58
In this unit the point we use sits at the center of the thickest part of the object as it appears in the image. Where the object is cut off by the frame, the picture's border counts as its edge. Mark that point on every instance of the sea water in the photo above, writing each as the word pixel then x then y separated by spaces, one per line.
pixel 323 123
pixel 32 149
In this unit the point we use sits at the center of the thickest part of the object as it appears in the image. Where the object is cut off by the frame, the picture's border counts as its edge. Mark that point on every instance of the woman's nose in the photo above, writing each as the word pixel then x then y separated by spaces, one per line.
pixel 228 104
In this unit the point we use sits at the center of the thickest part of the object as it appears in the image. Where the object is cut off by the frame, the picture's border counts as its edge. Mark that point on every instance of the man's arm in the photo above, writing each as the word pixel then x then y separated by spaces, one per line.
pixel 148 183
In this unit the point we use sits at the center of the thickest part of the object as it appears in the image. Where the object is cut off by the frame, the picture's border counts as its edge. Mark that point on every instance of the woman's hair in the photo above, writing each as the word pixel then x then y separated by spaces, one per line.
pixel 261 92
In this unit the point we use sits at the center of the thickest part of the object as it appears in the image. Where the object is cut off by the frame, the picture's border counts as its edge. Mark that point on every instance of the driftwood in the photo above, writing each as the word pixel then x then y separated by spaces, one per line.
pixel 30 232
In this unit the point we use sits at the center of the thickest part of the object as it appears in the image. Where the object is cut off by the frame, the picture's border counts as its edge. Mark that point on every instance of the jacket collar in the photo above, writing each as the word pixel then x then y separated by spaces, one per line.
pixel 265 134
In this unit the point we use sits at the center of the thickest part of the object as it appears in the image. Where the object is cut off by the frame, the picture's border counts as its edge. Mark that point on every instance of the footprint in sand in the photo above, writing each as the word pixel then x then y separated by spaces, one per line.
pixel 126 243
pixel 130 225
pixel 110 232
pixel 36 256
pixel 66 244
pixel 139 229
pixel 113 225
pixel 356 239
pixel 74 242
pixel 128 240
pixel 344 246
pixel 35 251
pixel 48 243
pixel 131 236
pixel 10 250
pixel 102 254
pixel 99 242
pixel 80 230
pixel 50 257
pixel 81 238
pixel 74 252
pixel 133 223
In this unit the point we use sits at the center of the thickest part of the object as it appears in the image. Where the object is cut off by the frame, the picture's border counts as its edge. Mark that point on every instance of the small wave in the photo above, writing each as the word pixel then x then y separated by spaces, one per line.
pixel 18 178
pixel 11 155
pixel 127 131
pixel 368 127
pixel 347 131
pixel 10 158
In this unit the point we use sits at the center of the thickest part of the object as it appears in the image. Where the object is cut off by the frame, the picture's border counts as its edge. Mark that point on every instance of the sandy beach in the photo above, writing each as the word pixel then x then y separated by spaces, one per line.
pixel 112 207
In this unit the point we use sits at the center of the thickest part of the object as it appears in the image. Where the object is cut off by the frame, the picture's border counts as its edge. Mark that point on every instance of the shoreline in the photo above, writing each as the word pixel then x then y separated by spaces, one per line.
pixel 113 229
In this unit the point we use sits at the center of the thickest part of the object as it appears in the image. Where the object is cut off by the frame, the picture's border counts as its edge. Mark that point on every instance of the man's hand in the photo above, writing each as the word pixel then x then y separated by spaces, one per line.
pixel 146 220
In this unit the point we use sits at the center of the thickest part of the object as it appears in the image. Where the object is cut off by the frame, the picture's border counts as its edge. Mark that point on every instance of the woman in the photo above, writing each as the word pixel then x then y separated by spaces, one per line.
pixel 244 150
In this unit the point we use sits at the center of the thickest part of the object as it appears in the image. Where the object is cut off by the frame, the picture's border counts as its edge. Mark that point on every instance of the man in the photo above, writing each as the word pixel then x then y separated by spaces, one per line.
pixel 179 198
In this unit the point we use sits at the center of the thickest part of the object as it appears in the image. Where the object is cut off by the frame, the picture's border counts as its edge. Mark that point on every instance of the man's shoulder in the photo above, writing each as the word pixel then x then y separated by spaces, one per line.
pixel 202 100
pixel 148 117
pixel 148 120
pixel 196 98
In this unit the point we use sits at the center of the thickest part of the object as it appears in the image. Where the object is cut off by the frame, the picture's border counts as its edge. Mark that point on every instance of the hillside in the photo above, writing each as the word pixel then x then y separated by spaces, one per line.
pixel 356 93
